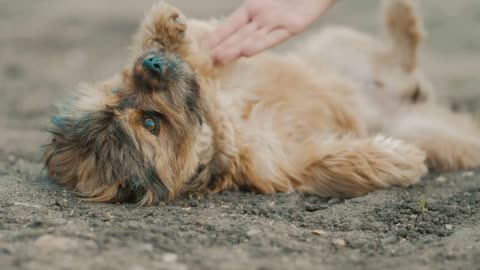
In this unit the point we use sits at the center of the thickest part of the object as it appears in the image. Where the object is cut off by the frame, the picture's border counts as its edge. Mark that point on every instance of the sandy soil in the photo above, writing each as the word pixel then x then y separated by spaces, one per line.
pixel 48 46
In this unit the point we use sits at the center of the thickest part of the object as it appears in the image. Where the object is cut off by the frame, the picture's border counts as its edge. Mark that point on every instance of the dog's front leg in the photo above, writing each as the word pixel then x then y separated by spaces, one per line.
pixel 164 29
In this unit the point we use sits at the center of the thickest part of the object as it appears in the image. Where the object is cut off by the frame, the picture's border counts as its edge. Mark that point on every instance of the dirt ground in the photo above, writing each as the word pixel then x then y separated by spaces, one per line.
pixel 48 46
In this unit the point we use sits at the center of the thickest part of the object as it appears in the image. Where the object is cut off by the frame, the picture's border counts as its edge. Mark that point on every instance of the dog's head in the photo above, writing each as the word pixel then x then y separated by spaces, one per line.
pixel 138 137
pixel 130 139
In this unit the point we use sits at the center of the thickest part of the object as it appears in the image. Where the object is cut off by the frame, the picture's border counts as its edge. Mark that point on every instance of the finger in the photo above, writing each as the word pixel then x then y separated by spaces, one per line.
pixel 231 48
pixel 255 39
pixel 264 41
pixel 238 19
pixel 236 39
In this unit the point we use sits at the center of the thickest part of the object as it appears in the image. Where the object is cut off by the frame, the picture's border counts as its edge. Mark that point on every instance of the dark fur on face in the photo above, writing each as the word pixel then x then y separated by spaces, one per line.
pixel 131 138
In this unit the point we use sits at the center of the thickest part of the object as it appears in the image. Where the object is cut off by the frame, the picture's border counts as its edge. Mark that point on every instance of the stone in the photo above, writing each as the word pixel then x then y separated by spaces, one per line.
pixel 52 242
pixel 11 158
pixel 334 201
pixel 338 242
pixel 319 232
pixel 441 179
pixel 252 232
pixel 169 257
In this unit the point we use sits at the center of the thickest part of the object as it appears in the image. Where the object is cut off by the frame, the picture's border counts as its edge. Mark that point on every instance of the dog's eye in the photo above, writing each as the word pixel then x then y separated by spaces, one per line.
pixel 150 123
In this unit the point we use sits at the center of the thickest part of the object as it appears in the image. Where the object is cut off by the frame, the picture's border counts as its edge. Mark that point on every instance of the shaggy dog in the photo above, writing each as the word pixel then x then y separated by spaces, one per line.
pixel 341 115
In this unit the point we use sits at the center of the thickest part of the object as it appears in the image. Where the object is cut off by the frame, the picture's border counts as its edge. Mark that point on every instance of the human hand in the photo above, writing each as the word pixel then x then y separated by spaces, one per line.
pixel 261 24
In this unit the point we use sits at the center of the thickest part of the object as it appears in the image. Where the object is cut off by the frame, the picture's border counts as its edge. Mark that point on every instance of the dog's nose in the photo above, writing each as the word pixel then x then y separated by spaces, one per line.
pixel 153 63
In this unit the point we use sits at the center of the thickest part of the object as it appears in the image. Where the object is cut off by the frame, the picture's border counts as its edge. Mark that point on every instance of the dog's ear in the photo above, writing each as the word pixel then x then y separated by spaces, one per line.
pixel 163 28
pixel 405 28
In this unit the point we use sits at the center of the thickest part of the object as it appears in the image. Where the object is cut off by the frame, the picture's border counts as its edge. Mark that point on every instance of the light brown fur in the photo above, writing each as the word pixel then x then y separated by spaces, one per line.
pixel 343 115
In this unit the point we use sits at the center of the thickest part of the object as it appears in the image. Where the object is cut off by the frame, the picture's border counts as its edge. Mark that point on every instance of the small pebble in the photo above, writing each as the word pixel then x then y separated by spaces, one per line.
pixel 359 199
pixel 339 242
pixel 107 216
pixel 333 201
pixel 253 232
pixel 441 179
pixel 468 174
pixel 146 247
pixel 170 257
pixel 11 158
pixel 319 232
pixel 448 227
pixel 27 205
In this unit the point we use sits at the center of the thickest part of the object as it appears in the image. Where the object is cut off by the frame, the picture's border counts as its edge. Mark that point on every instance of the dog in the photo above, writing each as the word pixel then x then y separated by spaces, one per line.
pixel 342 114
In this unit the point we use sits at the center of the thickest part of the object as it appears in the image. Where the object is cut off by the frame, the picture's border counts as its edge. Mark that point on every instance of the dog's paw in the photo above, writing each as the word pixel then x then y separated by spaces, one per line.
pixel 405 162
pixel 164 27
pixel 171 22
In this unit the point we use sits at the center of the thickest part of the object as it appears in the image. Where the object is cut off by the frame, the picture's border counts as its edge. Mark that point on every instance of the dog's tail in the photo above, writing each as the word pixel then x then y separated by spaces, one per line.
pixel 405 28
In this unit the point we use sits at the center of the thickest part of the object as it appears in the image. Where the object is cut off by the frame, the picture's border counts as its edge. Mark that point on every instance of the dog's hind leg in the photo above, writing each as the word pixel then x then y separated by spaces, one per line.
pixel 405 29
pixel 451 141
pixel 352 167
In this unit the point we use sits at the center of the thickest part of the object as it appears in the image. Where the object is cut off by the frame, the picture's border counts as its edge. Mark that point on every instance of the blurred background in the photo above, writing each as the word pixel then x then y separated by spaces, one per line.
pixel 47 47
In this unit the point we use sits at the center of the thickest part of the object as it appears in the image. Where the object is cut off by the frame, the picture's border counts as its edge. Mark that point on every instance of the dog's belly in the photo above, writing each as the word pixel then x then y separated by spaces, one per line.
pixel 281 97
